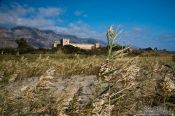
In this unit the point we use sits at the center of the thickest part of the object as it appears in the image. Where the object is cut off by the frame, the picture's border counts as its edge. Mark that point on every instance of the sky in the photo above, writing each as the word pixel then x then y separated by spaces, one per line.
pixel 144 23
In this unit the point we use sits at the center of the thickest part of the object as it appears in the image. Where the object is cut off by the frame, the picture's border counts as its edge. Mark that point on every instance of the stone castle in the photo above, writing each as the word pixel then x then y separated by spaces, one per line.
pixel 66 41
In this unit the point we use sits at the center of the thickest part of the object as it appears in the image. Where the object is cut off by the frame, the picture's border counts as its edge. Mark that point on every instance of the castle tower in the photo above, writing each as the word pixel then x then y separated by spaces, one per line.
pixel 54 45
pixel 64 41
pixel 97 45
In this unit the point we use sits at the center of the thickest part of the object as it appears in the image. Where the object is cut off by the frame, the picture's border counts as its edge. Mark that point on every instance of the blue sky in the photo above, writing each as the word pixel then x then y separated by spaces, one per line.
pixel 145 23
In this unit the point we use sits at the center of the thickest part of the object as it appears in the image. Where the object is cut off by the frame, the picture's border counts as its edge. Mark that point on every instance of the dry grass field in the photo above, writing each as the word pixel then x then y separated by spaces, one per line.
pixel 53 84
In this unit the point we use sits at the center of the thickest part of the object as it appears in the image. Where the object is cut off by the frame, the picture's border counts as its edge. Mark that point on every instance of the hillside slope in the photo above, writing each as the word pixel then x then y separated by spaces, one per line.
pixel 36 37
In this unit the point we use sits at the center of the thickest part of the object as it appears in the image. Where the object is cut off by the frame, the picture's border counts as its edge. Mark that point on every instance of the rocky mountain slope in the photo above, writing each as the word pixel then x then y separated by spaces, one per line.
pixel 37 38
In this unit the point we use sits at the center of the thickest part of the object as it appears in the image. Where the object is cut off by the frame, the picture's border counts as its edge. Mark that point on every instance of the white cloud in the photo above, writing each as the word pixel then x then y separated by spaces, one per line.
pixel 167 36
pixel 28 16
pixel 79 29
pixel 80 13
pixel 50 12
pixel 44 18
pixel 36 22
pixel 138 29
pixel 83 30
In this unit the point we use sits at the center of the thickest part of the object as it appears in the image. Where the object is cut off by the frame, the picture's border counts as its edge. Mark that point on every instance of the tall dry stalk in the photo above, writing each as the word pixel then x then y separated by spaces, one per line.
pixel 111 36
pixel 105 77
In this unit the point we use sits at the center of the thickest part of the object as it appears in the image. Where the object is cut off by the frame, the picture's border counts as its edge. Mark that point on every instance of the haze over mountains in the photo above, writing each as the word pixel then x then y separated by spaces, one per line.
pixel 37 38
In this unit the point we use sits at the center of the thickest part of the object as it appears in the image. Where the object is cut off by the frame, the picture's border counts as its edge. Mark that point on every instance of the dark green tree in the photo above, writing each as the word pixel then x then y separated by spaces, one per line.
pixel 24 46
pixel 69 49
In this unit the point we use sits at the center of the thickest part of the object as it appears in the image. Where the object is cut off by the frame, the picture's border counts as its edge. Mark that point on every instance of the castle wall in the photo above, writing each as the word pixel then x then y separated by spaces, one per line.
pixel 66 41
pixel 83 46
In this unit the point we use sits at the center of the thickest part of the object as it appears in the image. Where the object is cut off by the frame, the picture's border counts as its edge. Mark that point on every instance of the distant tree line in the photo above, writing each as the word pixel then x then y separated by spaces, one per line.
pixel 24 47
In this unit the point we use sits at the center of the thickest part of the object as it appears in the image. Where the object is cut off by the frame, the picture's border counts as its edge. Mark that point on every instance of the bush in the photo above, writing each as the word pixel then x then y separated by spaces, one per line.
pixel 23 46
pixel 8 51
pixel 68 49
pixel 173 58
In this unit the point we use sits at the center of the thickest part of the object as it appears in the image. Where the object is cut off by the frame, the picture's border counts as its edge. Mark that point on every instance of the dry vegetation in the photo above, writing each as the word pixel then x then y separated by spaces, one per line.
pixel 138 86
pixel 20 67
pixel 58 85
pixel 29 84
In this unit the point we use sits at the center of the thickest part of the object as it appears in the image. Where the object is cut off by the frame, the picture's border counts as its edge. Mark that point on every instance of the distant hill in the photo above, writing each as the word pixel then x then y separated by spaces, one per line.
pixel 37 38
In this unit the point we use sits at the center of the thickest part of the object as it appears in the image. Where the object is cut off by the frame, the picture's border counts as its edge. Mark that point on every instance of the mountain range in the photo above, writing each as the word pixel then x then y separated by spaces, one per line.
pixel 37 38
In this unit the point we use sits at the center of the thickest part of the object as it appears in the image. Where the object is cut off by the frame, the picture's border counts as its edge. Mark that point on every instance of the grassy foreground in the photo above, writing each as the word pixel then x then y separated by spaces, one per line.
pixel 14 67
pixel 135 83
